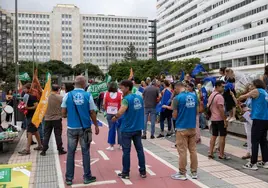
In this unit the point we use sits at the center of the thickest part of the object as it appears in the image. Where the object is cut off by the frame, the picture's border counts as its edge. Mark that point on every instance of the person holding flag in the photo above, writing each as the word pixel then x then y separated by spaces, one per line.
pixel 31 105
pixel 164 112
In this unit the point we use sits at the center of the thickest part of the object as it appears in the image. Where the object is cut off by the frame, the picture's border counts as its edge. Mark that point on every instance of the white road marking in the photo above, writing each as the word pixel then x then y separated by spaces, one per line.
pixel 105 124
pixel 149 170
pixel 175 168
pixel 57 161
pixel 95 183
pixel 79 163
pixel 104 156
pixel 126 181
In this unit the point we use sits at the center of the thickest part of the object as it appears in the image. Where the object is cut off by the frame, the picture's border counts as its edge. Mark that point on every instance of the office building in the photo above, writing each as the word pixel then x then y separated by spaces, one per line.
pixel 105 38
pixel 65 34
pixel 152 39
pixel 222 33
pixel 6 39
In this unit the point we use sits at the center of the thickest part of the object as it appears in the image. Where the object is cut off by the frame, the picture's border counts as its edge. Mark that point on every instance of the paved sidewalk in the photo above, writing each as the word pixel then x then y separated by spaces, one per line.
pixel 48 171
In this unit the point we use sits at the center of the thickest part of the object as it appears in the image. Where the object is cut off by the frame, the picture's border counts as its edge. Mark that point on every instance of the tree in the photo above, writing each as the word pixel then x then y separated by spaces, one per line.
pixel 131 54
pixel 93 70
pixel 152 68
pixel 56 67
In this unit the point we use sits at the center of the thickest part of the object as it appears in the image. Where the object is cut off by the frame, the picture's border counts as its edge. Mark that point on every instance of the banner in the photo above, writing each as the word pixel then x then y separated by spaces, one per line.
pixel 15 175
pixel 42 105
pixel 96 89
pixel 24 76
pixel 36 88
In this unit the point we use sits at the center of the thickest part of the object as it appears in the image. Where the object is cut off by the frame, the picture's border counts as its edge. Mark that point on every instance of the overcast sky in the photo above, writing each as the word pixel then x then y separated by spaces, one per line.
pixel 140 8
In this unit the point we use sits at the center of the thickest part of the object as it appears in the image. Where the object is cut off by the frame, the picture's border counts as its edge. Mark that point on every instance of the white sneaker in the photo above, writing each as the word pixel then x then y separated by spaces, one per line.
pixel 110 148
pixel 232 119
pixel 265 165
pixel 178 176
pixel 227 119
pixel 250 166
pixel 193 175
pixel 262 164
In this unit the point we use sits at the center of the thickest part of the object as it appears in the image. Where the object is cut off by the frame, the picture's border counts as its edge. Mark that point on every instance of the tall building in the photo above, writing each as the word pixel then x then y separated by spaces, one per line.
pixel 33 36
pixel 65 34
pixel 152 39
pixel 105 38
pixel 6 38
pixel 223 33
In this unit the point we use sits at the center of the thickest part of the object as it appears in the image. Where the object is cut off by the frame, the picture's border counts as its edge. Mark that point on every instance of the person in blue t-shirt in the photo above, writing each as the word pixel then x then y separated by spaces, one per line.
pixel 185 108
pixel 131 127
pixel 259 115
pixel 79 108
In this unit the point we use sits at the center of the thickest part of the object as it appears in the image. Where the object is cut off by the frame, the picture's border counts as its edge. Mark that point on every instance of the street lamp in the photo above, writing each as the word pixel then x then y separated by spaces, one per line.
pixel 16 62
pixel 33 52
pixel 264 50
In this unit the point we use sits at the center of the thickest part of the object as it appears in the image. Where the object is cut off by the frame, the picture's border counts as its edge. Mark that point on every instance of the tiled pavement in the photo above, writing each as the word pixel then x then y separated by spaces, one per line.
pixel 44 173
pixel 212 173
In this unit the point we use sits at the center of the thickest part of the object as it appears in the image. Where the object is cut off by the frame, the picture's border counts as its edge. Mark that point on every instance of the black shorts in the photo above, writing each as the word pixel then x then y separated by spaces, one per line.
pixel 217 128
pixel 31 128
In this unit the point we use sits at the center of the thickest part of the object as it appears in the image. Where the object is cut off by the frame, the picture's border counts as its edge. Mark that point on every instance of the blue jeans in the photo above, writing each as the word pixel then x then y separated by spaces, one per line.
pixel 152 113
pixel 41 129
pixel 127 137
pixel 202 121
pixel 113 128
pixel 75 135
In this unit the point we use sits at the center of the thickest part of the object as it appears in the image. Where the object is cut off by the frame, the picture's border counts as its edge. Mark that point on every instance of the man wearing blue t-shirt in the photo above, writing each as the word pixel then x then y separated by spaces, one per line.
pixel 185 108
pixel 131 127
pixel 79 108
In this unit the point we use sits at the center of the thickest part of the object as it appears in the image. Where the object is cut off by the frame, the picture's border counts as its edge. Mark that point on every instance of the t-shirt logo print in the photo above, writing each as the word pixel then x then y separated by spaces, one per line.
pixel 137 104
pixel 78 99
pixel 190 102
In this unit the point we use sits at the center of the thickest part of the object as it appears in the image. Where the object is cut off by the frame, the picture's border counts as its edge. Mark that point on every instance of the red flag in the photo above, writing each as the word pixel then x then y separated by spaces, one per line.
pixel 36 89
pixel 131 75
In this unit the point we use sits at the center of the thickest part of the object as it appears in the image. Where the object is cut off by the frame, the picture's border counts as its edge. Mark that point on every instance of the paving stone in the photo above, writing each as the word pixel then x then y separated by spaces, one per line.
pixel 47 185
pixel 45 179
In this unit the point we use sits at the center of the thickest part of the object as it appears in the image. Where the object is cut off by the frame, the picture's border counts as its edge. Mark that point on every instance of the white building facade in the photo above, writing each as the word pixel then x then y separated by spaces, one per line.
pixel 222 33
pixel 105 38
pixel 66 35
pixel 33 36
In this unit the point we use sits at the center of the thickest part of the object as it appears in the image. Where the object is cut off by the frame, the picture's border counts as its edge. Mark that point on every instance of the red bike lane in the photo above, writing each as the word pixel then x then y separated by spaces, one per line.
pixel 106 164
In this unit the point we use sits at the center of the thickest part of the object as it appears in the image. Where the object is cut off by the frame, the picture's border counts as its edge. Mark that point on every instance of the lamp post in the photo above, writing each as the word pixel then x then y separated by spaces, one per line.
pixel 107 57
pixel 33 51
pixel 16 62
pixel 264 50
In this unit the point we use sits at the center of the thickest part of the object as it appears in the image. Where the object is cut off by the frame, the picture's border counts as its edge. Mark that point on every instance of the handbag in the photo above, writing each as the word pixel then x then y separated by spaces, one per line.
pixel 208 111
pixel 87 132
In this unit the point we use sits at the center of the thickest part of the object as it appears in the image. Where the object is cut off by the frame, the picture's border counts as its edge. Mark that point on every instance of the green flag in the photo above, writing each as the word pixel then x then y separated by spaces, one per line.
pixel 96 89
pixel 108 78
pixel 24 76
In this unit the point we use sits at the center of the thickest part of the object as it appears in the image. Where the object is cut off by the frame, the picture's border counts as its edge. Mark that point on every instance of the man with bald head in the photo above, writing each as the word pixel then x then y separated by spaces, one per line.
pixel 79 108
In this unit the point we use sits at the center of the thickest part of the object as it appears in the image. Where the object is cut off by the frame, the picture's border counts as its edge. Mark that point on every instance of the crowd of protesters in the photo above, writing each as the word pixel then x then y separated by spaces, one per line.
pixel 185 105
